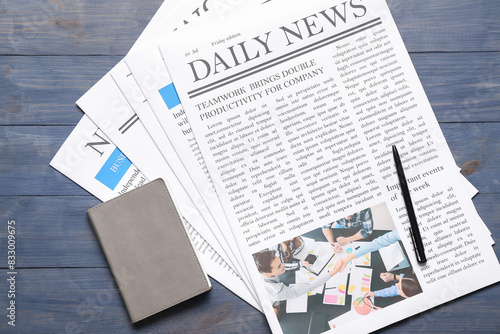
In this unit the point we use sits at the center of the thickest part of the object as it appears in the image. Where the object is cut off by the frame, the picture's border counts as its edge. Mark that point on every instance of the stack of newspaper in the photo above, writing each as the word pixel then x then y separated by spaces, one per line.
pixel 272 123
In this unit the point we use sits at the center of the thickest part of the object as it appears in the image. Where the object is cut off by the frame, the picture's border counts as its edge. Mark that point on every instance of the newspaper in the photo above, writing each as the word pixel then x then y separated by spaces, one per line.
pixel 295 115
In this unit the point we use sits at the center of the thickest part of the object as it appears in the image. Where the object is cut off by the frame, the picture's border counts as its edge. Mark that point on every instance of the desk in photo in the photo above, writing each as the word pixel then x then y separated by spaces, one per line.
pixel 318 314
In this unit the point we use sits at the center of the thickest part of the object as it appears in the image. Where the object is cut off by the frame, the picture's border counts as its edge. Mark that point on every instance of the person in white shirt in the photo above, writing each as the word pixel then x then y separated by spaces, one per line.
pixel 271 267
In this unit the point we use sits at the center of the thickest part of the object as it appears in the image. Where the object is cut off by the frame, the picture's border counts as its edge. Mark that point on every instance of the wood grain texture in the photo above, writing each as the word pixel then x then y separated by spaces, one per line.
pixel 24 165
pixel 53 231
pixel 80 27
pixel 43 90
pixel 429 26
pixel 462 87
pixel 75 27
pixel 52 51
pixel 476 149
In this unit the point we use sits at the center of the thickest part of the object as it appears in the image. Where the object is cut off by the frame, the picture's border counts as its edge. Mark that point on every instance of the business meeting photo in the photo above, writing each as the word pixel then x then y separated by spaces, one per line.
pixel 347 269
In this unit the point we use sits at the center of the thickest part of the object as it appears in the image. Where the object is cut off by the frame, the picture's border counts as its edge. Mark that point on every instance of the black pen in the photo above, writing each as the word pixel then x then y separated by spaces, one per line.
pixel 414 230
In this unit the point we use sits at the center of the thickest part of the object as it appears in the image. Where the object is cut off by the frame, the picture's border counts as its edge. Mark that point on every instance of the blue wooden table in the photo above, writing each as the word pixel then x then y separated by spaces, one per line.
pixel 52 51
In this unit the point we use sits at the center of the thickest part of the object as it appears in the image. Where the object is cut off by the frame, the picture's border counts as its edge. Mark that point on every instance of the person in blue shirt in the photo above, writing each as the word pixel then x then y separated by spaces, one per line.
pixel 405 286
pixel 383 241
pixel 360 220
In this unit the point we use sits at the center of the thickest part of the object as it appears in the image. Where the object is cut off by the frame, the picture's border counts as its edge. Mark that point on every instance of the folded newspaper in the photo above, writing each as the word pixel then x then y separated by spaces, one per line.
pixel 273 122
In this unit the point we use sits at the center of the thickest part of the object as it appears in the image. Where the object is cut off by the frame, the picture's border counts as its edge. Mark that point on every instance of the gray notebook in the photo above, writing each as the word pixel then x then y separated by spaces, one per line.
pixel 148 249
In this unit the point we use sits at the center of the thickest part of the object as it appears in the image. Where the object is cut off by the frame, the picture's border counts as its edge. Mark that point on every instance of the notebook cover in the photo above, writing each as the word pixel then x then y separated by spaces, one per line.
pixel 148 249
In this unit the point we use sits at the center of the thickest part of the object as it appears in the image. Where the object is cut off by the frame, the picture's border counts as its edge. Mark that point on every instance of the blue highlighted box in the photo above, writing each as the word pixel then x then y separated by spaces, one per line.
pixel 169 95
pixel 113 169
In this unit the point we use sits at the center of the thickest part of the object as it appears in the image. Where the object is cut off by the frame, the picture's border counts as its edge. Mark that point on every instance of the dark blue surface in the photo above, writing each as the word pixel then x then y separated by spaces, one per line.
pixel 52 51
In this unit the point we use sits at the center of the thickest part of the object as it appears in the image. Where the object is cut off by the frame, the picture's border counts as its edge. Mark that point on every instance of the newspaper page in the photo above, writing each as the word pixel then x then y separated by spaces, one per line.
pixel 89 158
pixel 295 115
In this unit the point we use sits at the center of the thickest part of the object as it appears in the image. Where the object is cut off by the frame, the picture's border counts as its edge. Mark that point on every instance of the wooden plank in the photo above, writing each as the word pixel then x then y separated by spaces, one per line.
pixel 462 87
pixel 476 150
pixel 53 231
pixel 43 90
pixel 25 153
pixel 87 301
pixel 55 27
pixel 447 25
pixel 485 205
pixel 111 27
